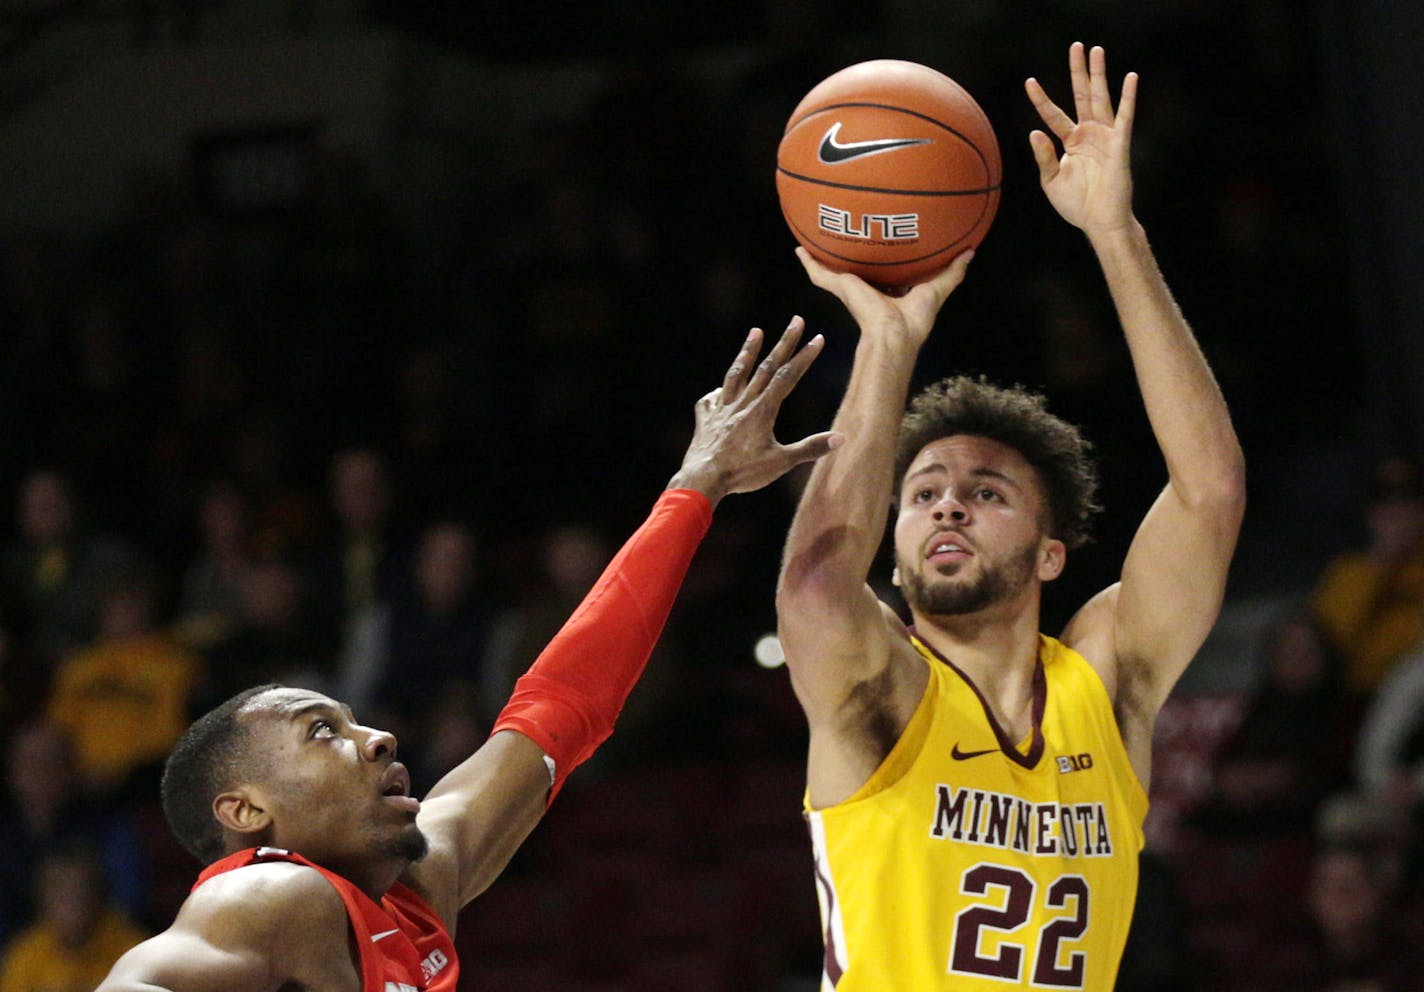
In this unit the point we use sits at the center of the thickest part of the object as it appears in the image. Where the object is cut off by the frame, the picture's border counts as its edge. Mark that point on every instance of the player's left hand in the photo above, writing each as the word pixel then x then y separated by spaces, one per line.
pixel 1090 185
pixel 733 449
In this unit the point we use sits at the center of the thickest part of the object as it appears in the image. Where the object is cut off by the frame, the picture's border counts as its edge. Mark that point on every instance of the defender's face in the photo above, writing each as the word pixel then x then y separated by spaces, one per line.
pixel 333 789
pixel 970 529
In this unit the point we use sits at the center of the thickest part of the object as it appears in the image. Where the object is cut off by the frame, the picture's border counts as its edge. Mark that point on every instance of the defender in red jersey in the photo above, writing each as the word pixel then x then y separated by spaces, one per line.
pixel 325 873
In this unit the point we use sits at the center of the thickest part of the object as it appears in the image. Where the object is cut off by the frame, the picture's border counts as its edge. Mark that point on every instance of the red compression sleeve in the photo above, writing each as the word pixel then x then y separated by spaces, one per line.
pixel 570 697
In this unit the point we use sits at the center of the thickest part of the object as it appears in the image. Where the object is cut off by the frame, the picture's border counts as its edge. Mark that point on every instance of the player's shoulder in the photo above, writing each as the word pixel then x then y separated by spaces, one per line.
pixel 271 897
pixel 257 927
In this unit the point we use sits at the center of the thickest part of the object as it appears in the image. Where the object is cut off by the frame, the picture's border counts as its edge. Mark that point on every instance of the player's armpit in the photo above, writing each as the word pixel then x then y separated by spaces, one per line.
pixel 476 817
pixel 1173 584
pixel 856 712
pixel 831 645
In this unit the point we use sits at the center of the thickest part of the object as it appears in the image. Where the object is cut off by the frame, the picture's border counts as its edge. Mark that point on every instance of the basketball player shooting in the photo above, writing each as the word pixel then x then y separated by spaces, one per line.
pixel 977 789
pixel 324 873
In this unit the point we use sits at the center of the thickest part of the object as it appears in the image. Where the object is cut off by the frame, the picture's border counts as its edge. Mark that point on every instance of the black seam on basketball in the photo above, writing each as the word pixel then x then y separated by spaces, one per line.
pixel 878 189
pixel 899 110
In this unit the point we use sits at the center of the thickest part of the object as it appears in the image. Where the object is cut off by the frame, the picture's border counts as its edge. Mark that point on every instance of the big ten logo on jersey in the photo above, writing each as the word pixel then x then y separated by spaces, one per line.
pixel 1074 763
pixel 873 228
pixel 433 963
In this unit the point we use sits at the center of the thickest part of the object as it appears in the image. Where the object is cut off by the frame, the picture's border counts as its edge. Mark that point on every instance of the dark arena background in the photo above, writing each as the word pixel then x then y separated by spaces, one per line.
pixel 346 340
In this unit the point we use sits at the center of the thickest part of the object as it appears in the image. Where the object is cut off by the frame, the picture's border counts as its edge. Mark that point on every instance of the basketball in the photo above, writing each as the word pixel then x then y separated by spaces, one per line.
pixel 888 169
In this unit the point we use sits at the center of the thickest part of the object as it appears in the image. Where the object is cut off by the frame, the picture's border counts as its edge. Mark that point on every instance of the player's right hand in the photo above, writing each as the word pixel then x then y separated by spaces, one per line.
pixel 909 311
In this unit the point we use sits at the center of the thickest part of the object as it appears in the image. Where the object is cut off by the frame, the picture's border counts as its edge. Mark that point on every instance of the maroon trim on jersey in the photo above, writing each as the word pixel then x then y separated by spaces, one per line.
pixel 830 965
pixel 1040 700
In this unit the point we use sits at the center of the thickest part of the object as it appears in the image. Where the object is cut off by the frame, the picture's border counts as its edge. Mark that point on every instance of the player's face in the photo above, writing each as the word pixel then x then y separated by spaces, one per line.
pixel 334 790
pixel 969 534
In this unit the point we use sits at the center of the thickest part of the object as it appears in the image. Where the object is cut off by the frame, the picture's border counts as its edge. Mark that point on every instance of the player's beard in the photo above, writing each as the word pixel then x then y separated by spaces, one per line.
pixel 410 844
pixel 940 596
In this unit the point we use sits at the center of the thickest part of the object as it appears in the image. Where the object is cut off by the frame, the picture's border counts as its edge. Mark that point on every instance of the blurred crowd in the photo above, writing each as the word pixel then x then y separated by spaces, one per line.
pixel 306 445
pixel 1286 828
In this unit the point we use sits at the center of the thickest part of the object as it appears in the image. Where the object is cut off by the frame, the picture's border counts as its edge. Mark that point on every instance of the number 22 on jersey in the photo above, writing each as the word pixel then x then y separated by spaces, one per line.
pixel 1005 903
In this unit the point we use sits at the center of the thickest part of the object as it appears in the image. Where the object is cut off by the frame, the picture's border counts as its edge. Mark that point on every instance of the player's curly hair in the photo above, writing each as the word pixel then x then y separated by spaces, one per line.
pixel 208 758
pixel 1018 417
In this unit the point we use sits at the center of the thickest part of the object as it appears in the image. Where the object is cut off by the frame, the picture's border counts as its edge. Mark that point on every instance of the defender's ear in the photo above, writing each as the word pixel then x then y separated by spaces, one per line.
pixel 895 576
pixel 242 811
pixel 1052 556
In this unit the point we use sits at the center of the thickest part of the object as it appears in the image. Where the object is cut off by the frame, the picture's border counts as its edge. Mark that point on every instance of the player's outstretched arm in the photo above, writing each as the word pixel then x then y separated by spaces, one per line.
pixel 1142 633
pixel 831 624
pixel 565 705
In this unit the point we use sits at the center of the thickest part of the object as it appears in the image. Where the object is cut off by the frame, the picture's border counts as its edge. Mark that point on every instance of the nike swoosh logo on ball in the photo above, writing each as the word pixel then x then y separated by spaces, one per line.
pixel 833 152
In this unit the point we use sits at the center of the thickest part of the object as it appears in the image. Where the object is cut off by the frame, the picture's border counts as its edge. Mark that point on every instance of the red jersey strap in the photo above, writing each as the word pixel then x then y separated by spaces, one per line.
pixel 569 699
pixel 404 946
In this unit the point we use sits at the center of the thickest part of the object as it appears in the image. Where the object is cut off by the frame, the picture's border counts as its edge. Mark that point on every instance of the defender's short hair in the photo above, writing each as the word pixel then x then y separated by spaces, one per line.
pixel 1017 417
pixel 207 759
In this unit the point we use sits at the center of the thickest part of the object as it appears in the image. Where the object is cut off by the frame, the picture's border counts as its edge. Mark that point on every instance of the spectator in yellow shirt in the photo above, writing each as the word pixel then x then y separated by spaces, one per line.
pixel 1371 602
pixel 79 934
pixel 124 700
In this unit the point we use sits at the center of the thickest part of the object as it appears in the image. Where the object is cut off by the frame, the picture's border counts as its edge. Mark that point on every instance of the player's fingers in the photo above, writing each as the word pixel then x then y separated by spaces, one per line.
pixel 838 284
pixel 737 372
pixel 1127 106
pixel 1053 116
pixel 1045 154
pixel 1101 99
pixel 945 281
pixel 821 276
pixel 1078 72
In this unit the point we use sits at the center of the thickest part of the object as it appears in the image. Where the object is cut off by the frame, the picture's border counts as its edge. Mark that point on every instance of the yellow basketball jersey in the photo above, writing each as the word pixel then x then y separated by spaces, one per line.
pixel 970 862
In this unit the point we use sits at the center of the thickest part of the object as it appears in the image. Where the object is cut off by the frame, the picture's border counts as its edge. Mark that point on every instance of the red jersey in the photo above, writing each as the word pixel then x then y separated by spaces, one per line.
pixel 404 945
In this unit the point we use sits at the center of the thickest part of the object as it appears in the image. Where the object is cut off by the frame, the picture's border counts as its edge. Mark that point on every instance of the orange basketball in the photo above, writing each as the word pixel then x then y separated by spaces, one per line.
pixel 888 169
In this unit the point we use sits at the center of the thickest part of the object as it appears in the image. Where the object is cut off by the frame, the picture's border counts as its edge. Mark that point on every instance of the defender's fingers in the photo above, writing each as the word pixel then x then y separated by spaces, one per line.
pixel 790 373
pixel 810 448
pixel 737 372
pixel 778 356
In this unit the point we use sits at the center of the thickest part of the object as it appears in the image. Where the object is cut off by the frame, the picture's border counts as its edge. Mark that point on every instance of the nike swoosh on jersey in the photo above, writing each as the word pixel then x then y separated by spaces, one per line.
pixel 384 933
pixel 833 152
pixel 959 755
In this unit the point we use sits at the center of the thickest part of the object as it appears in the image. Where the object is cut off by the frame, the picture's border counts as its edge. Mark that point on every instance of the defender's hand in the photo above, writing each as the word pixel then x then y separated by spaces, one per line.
pixel 733 447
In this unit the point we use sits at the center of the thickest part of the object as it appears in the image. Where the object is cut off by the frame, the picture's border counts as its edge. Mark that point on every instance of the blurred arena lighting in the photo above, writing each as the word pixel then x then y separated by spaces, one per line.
pixel 768 652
